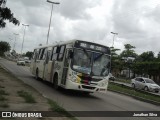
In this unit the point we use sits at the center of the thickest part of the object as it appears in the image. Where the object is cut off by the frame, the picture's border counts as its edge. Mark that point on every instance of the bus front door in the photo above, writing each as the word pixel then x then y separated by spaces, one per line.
pixel 65 68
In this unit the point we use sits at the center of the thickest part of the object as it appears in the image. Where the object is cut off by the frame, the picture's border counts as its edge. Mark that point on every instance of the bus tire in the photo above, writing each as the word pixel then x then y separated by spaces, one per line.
pixel 37 74
pixel 55 82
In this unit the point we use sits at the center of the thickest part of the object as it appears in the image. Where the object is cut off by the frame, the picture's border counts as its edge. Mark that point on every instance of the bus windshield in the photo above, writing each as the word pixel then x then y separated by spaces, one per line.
pixel 96 64
pixel 101 64
pixel 82 61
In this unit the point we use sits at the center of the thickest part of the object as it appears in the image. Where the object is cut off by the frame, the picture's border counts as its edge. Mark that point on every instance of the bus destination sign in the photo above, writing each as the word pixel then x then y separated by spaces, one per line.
pixel 92 46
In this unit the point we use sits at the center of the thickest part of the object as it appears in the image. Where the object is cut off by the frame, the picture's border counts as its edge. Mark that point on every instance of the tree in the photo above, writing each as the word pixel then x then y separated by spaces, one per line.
pixel 158 55
pixel 115 61
pixel 147 56
pixel 128 52
pixel 4 47
pixel 29 54
pixel 128 55
pixel 147 65
pixel 6 14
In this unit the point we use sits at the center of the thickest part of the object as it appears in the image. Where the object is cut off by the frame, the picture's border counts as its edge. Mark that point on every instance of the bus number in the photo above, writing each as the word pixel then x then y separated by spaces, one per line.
pixel 98 48
pixel 83 45
pixel 92 46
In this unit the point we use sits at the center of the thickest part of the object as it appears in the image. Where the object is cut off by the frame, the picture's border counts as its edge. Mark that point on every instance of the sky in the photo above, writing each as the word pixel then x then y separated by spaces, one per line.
pixel 137 22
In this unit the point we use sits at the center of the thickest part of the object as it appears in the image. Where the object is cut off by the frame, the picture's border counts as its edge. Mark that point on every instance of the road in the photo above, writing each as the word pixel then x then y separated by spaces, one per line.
pixel 72 101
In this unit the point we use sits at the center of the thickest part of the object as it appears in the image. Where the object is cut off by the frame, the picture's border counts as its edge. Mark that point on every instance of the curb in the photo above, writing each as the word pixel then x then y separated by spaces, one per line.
pixel 138 98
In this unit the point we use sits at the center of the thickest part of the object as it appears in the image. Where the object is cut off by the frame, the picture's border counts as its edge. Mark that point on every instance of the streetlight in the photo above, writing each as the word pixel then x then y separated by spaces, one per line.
pixel 114 34
pixel 25 25
pixel 50 17
pixel 15 40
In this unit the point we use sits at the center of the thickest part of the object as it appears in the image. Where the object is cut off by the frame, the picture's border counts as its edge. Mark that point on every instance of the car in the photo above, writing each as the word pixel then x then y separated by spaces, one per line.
pixel 26 59
pixel 21 61
pixel 145 84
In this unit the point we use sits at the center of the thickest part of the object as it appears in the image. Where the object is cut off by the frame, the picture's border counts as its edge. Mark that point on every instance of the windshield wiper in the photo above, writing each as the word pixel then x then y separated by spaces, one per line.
pixel 98 57
pixel 86 53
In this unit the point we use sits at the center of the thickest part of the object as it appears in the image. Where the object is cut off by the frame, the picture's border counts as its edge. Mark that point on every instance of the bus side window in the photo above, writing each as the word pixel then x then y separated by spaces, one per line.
pixel 48 55
pixel 61 53
pixel 41 54
pixel 34 54
pixel 44 53
pixel 51 54
pixel 54 53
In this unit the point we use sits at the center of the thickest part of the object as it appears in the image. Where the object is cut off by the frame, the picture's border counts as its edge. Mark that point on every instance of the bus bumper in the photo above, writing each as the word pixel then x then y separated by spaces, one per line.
pixel 82 87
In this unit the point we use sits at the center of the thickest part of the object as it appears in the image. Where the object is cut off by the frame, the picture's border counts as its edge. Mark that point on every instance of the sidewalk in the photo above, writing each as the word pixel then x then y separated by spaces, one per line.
pixel 10 99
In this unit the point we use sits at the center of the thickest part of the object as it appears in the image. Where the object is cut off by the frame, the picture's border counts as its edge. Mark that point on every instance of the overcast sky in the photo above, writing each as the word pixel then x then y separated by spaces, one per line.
pixel 137 22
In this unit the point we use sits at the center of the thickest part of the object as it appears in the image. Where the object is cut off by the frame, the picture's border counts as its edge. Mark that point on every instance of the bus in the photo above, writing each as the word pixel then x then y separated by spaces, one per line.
pixel 76 65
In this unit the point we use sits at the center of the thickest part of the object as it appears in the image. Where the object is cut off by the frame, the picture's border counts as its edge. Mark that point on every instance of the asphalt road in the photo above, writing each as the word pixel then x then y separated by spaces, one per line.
pixel 73 101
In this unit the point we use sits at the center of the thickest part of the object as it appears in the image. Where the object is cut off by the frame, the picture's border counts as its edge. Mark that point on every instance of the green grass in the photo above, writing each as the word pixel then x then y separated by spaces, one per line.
pixel 4 105
pixel 2 98
pixel 2 86
pixel 1 80
pixel 61 111
pixel 2 92
pixel 27 96
pixel 133 92
pixel 124 80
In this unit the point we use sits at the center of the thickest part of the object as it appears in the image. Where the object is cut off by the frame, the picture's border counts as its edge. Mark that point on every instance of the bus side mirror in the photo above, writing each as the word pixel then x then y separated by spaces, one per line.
pixel 70 55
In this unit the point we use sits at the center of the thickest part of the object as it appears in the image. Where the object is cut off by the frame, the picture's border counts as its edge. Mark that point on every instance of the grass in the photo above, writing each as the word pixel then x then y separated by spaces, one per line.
pixel 2 98
pixel 2 92
pixel 56 108
pixel 2 86
pixel 4 105
pixel 124 80
pixel 133 92
pixel 27 96
pixel 1 80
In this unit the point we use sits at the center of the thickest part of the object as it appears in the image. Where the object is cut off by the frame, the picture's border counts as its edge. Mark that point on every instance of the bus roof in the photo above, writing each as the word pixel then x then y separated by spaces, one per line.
pixel 57 44
pixel 65 42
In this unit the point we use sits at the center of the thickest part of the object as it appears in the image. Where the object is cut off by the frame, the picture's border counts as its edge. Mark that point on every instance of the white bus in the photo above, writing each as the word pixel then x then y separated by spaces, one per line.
pixel 76 65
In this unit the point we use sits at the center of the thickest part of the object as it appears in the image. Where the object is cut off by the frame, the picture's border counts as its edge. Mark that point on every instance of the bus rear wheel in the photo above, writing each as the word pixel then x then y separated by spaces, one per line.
pixel 55 82
pixel 37 74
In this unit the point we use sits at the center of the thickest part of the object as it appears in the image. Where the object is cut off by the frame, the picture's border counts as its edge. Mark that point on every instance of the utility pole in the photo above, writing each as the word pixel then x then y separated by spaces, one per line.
pixel 25 25
pixel 50 18
pixel 114 34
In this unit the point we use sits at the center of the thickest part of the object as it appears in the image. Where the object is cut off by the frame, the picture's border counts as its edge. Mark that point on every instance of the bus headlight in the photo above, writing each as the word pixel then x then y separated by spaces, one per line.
pixel 101 84
pixel 74 79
